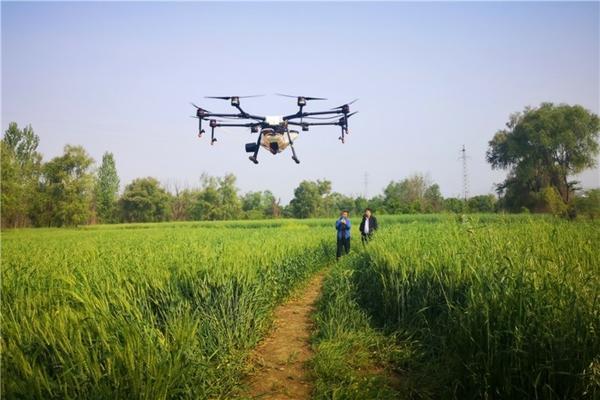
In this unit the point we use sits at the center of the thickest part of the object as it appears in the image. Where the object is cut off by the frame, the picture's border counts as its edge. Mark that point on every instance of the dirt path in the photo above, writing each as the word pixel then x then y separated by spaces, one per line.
pixel 279 370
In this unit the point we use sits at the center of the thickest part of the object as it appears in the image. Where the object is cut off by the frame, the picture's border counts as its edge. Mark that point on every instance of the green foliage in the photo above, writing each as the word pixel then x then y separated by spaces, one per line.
pixel 482 204
pixel 542 147
pixel 144 200
pixel 309 199
pixel 455 205
pixel 107 190
pixel 21 165
pixel 259 205
pixel 66 189
pixel 414 194
pixel 588 204
pixel 144 311
pixel 500 308
pixel 217 200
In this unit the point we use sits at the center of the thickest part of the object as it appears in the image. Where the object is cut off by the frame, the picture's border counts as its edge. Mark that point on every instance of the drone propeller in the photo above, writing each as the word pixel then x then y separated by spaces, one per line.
pixel 235 100
pixel 232 97
pixel 344 105
pixel 303 97
pixel 324 118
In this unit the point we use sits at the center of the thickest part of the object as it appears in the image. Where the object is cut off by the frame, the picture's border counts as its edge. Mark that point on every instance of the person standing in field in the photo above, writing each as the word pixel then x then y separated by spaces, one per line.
pixel 368 225
pixel 343 226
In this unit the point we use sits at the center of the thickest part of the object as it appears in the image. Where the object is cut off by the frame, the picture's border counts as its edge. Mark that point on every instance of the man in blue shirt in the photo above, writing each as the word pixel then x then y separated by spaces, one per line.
pixel 343 226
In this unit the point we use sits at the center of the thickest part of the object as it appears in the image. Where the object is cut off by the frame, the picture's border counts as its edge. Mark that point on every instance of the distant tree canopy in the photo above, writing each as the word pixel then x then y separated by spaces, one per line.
pixel 415 194
pixel 541 148
pixel 20 170
pixel 106 192
pixel 66 189
pixel 144 200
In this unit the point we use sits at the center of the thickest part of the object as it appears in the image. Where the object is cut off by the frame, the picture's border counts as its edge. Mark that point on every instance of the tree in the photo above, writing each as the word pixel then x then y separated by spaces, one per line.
pixel 257 205
pixel 21 168
pixel 434 202
pixel 455 205
pixel 308 199
pixel 482 204
pixel 182 204
pixel 107 189
pixel 66 189
pixel 588 203
pixel 409 195
pixel 218 199
pixel 144 200
pixel 542 147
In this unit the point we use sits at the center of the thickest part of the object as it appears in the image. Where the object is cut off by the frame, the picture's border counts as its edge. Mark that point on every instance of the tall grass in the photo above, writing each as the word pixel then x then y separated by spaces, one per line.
pixel 501 308
pixel 143 313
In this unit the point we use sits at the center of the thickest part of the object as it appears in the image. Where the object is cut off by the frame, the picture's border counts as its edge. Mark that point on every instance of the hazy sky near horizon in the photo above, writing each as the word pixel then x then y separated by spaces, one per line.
pixel 431 77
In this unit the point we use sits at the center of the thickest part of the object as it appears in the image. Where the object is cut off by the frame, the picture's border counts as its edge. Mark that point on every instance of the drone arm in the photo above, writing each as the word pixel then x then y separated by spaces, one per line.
pixel 308 114
pixel 336 123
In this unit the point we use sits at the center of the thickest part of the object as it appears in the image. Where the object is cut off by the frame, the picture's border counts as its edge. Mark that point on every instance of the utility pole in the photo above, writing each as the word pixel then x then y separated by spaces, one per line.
pixel 463 157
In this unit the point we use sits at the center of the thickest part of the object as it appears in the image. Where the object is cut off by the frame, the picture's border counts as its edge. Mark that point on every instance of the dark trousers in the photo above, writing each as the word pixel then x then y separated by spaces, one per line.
pixel 365 238
pixel 343 245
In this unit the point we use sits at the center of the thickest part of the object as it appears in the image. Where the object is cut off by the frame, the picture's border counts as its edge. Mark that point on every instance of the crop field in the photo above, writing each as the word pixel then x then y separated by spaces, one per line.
pixel 487 306
pixel 160 311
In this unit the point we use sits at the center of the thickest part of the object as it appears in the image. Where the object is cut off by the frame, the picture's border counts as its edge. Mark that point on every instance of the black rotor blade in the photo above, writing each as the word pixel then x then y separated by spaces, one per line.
pixel 324 118
pixel 351 114
pixel 229 97
pixel 347 104
pixel 304 97
pixel 199 108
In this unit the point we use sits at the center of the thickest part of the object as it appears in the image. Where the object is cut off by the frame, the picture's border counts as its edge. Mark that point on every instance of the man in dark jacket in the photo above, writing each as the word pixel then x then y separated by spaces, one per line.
pixel 368 225
pixel 343 225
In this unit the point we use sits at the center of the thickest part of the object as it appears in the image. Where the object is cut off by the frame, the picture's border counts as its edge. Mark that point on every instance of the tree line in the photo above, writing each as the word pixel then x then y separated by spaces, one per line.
pixel 541 149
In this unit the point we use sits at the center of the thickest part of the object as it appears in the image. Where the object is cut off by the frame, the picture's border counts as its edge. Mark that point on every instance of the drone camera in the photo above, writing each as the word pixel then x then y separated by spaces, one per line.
pixel 304 127
pixel 301 101
pixel 251 147
pixel 235 101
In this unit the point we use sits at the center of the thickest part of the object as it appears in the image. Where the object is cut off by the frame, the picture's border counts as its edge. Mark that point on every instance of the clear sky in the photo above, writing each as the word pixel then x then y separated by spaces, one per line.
pixel 431 77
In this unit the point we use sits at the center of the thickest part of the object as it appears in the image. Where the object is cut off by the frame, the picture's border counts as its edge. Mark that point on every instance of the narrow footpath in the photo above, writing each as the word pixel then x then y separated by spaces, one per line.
pixel 279 362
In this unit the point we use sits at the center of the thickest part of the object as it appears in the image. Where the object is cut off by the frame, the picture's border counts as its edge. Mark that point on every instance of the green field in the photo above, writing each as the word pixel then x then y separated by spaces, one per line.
pixel 438 307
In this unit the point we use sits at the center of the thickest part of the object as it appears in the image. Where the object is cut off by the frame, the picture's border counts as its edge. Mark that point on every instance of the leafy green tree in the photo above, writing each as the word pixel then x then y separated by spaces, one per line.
pixel 482 204
pixel 543 147
pixel 66 189
pixel 20 172
pixel 182 204
pixel 258 205
pixel 414 194
pixel 434 202
pixel 588 203
pixel 107 190
pixel 309 199
pixel 218 199
pixel 144 200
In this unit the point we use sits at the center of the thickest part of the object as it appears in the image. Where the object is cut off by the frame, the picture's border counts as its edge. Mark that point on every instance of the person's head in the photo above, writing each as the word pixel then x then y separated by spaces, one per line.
pixel 344 213
pixel 368 212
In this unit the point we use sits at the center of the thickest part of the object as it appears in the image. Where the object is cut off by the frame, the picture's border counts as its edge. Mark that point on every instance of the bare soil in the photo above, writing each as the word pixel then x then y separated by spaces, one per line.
pixel 279 369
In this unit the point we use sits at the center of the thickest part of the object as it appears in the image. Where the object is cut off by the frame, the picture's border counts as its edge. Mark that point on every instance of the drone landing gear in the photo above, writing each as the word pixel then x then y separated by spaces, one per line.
pixel 254 147
pixel 294 157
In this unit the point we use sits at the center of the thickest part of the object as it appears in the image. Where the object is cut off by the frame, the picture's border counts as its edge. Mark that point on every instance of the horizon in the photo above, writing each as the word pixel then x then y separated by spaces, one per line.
pixel 431 77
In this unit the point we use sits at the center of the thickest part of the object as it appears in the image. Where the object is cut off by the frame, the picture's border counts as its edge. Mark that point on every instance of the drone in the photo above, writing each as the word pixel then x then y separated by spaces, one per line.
pixel 275 133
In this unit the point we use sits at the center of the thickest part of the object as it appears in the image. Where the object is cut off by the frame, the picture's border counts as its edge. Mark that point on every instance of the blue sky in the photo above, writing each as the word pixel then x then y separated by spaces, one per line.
pixel 430 77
